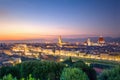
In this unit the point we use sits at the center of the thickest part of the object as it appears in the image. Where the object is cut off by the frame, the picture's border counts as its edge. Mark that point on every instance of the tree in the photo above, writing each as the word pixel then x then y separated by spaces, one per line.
pixel 68 62
pixel 31 78
pixel 85 68
pixel 13 70
pixel 113 74
pixel 73 74
pixel 42 70
pixel 9 77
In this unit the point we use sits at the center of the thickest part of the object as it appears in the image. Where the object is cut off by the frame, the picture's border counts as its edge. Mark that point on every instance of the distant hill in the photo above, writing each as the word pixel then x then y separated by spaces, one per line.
pixel 94 39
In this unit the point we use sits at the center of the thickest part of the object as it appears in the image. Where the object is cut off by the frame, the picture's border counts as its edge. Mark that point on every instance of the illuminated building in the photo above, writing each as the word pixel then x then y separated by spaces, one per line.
pixel 17 60
pixel 60 42
pixel 88 42
pixel 101 41
pixel 8 52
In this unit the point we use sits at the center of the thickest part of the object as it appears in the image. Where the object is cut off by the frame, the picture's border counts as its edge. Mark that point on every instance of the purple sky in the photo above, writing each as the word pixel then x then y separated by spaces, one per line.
pixel 31 19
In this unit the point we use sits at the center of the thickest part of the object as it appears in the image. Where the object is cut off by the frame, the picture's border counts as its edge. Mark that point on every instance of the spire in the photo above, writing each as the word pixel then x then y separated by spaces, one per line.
pixel 60 41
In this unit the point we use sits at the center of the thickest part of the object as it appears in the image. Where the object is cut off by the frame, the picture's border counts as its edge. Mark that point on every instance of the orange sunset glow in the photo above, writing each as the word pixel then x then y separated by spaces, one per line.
pixel 21 20
pixel 59 39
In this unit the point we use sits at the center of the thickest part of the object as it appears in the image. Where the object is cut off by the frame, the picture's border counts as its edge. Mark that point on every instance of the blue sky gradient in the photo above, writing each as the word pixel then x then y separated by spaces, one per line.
pixel 61 17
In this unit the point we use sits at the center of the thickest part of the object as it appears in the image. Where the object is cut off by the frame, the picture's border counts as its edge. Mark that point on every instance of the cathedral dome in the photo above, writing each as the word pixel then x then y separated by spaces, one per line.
pixel 101 40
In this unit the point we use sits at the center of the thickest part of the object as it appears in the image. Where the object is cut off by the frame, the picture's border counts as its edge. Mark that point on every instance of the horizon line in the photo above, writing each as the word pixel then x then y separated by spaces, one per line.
pixel 63 37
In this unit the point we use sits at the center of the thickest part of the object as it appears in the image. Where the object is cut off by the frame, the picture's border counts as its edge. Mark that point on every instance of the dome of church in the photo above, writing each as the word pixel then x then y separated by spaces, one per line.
pixel 101 40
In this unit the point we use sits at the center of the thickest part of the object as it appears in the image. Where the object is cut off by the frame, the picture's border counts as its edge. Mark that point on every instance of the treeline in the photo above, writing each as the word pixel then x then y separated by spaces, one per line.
pixel 10 77
pixel 111 74
pixel 67 74
pixel 38 69
pixel 48 70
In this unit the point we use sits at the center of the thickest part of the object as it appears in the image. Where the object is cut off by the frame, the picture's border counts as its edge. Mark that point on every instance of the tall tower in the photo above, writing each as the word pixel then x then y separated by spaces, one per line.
pixel 88 42
pixel 60 41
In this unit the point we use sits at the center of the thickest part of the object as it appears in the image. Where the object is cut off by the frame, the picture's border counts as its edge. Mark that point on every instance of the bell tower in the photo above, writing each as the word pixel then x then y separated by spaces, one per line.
pixel 60 41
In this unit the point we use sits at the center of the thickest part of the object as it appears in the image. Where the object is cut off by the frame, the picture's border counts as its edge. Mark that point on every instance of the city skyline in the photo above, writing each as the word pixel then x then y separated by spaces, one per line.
pixel 33 19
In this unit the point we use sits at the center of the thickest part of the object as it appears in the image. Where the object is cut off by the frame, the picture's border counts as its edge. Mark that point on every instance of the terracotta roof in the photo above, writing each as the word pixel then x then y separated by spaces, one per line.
pixel 101 39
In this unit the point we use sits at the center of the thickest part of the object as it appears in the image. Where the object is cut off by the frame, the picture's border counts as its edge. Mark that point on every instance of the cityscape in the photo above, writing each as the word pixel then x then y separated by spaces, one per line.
pixel 59 40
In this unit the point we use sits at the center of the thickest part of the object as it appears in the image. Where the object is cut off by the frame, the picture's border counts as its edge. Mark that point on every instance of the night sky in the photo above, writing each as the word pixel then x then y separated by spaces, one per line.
pixel 32 19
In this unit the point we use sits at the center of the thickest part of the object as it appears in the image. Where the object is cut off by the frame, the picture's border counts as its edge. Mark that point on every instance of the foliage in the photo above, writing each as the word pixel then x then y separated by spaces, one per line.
pixel 68 62
pixel 108 62
pixel 81 65
pixel 85 68
pixel 101 66
pixel 73 74
pixel 113 74
pixel 8 77
pixel 43 70
pixel 13 70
